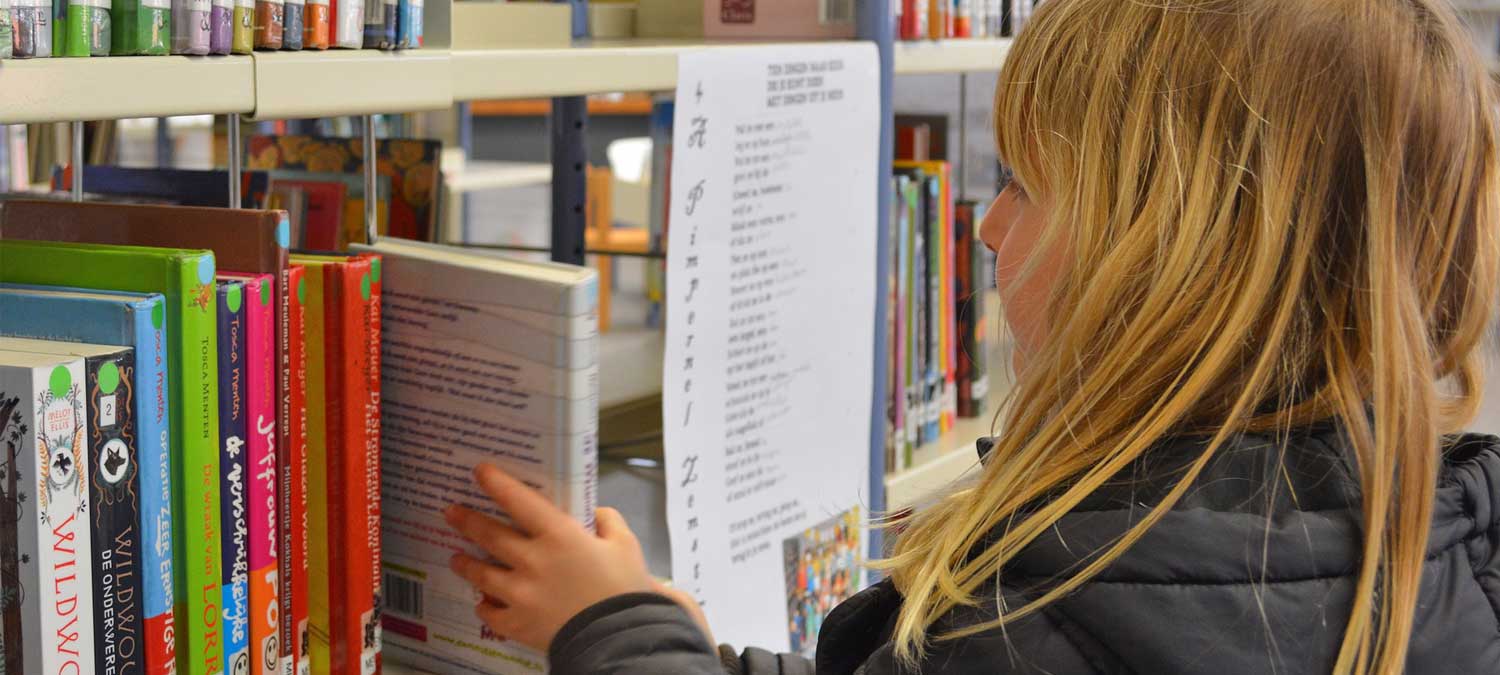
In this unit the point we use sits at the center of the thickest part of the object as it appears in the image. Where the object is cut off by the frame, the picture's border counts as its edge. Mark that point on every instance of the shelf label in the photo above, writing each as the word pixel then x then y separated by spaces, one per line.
pixel 767 379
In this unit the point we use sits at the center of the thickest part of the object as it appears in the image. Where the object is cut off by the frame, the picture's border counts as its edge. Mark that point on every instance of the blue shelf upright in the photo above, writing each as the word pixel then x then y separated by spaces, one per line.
pixel 570 160
pixel 875 25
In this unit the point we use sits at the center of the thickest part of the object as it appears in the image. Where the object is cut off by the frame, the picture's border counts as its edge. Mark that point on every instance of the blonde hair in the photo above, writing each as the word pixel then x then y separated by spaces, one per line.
pixel 1273 212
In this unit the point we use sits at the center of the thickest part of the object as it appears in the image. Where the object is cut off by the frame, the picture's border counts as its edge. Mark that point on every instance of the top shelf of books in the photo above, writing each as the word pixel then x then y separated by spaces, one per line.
pixel 274 85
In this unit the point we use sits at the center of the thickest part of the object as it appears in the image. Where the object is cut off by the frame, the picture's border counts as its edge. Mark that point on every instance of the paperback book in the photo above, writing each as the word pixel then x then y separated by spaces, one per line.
pixel 233 471
pixel 190 26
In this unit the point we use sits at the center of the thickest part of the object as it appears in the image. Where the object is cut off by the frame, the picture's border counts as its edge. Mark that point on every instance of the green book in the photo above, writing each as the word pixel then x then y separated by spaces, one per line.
pixel 186 278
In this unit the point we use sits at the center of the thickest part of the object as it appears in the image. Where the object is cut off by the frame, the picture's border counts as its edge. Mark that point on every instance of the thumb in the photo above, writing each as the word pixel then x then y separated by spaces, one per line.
pixel 611 525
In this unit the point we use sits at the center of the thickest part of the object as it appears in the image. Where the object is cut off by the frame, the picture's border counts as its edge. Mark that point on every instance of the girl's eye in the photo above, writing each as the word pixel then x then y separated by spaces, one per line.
pixel 1007 181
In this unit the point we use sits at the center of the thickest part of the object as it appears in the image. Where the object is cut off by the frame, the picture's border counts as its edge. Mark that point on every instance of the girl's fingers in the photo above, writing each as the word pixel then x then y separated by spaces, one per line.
pixel 611 525
pixel 494 582
pixel 527 509
pixel 493 615
pixel 496 538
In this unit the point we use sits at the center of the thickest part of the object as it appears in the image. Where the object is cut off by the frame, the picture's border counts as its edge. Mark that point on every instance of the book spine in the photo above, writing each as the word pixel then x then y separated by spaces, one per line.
pixel 293 493
pixel 348 23
pixel 967 298
pixel 113 462
pixel 88 29
pixel 317 522
pixel 351 604
pixel 270 24
pixel 979 351
pixel 55 568
pixel 294 22
pixel 154 451
pixel 233 431
pixel 947 288
pixel 932 310
pixel 243 39
pixel 380 24
pixel 20 621
pixel 908 292
pixel 221 27
pixel 59 9
pixel 193 372
pixel 409 24
pixel 260 380
pixel 5 53
pixel 315 23
pixel 190 26
pixel 370 626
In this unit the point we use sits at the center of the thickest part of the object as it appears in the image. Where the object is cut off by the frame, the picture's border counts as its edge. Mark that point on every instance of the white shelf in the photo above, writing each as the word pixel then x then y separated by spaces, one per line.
pixel 950 56
pixel 63 89
pixel 290 85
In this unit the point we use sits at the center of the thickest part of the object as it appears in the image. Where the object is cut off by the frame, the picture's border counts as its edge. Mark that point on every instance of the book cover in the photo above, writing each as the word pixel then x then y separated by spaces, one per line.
pixel 348 28
pixel 233 471
pixel 140 27
pixel 973 361
pixel 295 647
pixel 242 40
pixel 270 24
pixel 221 27
pixel 114 497
pixel 294 18
pixel 380 24
pixel 185 187
pixel 88 28
pixel 261 407
pixel 244 240
pixel 409 24
pixel 315 25
pixel 519 340
pixel 190 27
pixel 325 212
pixel 343 621
pixel 411 165
pixel 136 320
pixel 50 627
pixel 185 278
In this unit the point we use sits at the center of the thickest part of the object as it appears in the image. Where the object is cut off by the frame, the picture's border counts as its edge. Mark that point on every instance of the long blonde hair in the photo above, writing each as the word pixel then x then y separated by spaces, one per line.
pixel 1274 212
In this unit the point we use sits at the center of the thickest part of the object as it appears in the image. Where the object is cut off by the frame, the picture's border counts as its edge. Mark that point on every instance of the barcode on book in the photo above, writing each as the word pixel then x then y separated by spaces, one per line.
pixel 836 11
pixel 403 595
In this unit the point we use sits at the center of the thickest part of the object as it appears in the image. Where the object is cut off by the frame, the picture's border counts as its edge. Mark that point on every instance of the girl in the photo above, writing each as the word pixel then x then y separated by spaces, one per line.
pixel 1247 255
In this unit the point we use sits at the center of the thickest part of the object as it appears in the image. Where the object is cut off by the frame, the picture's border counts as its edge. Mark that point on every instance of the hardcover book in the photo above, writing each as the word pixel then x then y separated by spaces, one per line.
pixel 50 626
pixel 114 498
pixel 293 14
pixel 348 28
pixel 233 471
pixel 409 24
pixel 242 40
pixel 221 27
pixel 88 27
pixel 295 643
pixel 410 165
pixel 140 27
pixel 380 24
pixel 270 24
pixel 185 278
pixel 515 349
pixel 342 463
pixel 315 25
pixel 136 320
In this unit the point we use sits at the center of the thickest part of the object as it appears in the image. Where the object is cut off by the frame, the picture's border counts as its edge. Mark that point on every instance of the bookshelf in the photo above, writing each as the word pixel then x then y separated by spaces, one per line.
pixel 950 56
pixel 61 90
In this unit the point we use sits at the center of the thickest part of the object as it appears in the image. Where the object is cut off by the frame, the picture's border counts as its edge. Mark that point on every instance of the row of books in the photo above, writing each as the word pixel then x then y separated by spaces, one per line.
pixel 46 28
pixel 195 456
pixel 947 19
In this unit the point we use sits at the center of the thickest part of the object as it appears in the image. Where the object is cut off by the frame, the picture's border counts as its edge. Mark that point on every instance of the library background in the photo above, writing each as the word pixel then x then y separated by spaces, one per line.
pixel 276 274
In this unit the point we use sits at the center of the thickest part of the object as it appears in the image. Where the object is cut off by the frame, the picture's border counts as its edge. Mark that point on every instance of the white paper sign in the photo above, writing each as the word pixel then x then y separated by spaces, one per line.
pixel 770 334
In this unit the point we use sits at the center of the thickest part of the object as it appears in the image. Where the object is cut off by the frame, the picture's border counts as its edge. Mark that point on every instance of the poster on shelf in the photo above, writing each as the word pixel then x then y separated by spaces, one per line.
pixel 770 315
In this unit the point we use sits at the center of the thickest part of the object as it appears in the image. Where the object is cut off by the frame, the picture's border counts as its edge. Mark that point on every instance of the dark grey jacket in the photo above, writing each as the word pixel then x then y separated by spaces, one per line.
pixel 1251 573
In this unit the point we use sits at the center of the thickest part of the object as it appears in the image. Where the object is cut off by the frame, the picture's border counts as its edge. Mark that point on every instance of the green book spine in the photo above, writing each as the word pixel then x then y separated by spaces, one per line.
pixel 186 278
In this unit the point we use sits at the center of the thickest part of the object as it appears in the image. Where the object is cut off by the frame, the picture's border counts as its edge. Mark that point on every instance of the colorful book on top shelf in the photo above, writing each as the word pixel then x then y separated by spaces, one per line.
pixel 242 37
pixel 315 24
pixel 190 27
pixel 31 29
pixel 973 357
pixel 5 53
pixel 270 24
pixel 516 351
pixel 185 278
pixel 140 27
pixel 411 165
pixel 292 435
pixel 59 27
pixel 113 513
pixel 348 28
pixel 341 463
pixel 135 320
pixel 47 552
pixel 233 469
pixel 88 27
pixel 243 240
pixel 294 15
pixel 262 468
pixel 409 24
pixel 380 24
pixel 221 27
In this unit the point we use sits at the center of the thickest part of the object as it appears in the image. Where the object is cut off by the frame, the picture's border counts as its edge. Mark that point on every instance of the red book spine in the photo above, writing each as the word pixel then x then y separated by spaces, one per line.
pixel 352 604
pixel 371 630
pixel 293 562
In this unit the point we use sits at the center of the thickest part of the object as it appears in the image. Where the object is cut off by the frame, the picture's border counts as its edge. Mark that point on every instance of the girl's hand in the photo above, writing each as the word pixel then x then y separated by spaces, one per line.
pixel 553 568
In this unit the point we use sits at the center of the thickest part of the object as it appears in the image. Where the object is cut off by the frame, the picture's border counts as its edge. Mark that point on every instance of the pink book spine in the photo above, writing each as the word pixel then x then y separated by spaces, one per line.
pixel 261 375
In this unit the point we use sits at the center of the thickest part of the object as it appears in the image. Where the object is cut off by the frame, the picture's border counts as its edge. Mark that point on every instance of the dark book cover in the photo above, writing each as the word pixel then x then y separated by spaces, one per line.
pixel 187 187
pixel 970 311
pixel 114 487
pixel 233 505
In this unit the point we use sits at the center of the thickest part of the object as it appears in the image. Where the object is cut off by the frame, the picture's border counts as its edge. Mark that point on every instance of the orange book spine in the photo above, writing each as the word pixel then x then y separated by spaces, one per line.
pixel 293 563
pixel 315 30
pixel 351 602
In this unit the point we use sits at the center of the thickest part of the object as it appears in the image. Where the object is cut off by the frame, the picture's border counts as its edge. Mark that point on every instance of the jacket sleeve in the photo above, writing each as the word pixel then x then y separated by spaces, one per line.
pixel 648 634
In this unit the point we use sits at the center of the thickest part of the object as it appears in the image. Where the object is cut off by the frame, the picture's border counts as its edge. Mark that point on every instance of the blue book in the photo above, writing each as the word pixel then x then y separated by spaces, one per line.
pixel 233 501
pixel 134 320
pixel 409 24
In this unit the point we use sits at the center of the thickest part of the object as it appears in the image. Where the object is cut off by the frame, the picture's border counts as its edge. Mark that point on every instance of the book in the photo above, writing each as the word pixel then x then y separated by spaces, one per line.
pixel 899 344
pixel 973 357
pixel 913 22
pixel 243 38
pixel 343 626
pixel 380 24
pixel 31 29
pixel 185 187
pixel 785 19
pixel 185 278
pixel 262 470
pixel 190 26
pixel 292 435
pixel 270 24
pixel 233 469
pixel 87 27
pixel 322 221
pixel 348 23
pixel 114 497
pixel 243 240
pixel 49 628
pixel 221 27
pixel 513 357
pixel 136 320
pixel 140 27
pixel 350 215
pixel 409 24
pixel 5 53
pixel 315 24
pixel 411 165
pixel 294 24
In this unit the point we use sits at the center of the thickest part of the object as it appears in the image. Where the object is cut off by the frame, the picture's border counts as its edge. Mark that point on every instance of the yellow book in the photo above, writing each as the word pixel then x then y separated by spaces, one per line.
pixel 317 474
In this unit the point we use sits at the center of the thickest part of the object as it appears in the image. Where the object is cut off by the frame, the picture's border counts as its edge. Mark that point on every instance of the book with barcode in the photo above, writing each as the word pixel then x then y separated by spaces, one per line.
pixel 136 320
pixel 475 347
pixel 233 471
pixel 114 497
pixel 49 623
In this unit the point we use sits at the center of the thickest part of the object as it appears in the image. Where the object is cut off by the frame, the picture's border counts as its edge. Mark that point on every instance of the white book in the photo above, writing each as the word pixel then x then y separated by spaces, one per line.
pixel 483 359
pixel 46 491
